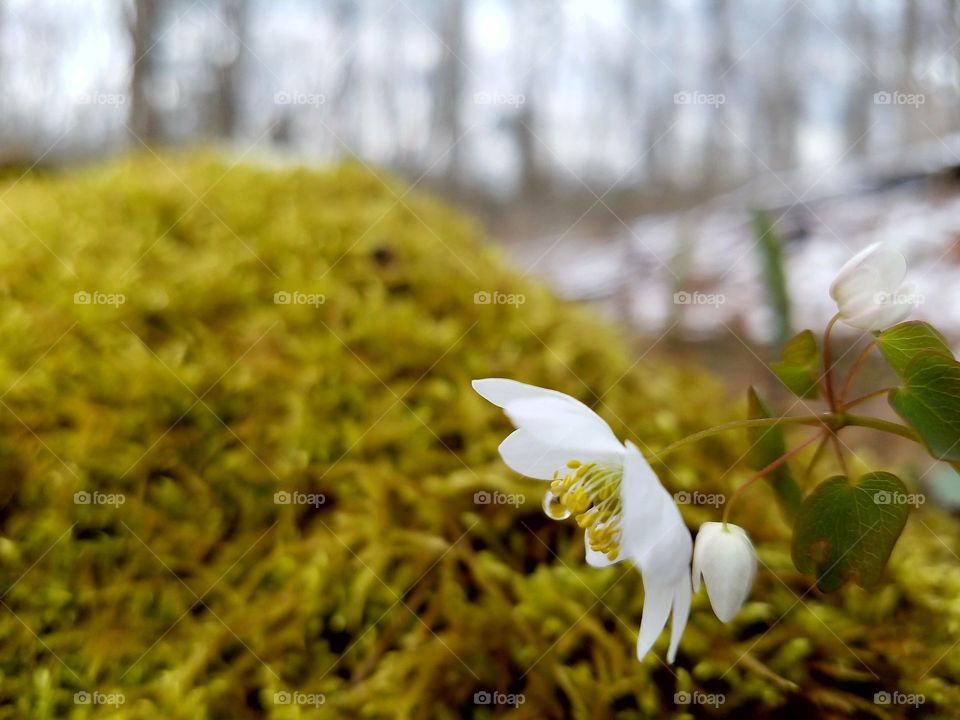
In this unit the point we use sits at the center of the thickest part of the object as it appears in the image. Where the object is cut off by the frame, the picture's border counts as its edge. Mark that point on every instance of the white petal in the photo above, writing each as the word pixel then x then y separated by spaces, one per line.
pixel 657 599
pixel 526 454
pixel 880 316
pixel 887 263
pixel 649 513
pixel 681 613
pixel 557 424
pixel 561 423
pixel 501 391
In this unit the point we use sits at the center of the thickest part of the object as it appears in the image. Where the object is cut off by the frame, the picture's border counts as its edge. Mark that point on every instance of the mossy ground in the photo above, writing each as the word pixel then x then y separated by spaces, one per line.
pixel 199 398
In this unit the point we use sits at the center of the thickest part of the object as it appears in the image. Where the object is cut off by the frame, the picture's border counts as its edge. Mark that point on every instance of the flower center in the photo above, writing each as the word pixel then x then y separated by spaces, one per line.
pixel 592 492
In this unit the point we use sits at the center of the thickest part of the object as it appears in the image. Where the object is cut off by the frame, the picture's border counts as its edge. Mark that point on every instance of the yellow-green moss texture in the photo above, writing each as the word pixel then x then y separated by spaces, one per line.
pixel 198 398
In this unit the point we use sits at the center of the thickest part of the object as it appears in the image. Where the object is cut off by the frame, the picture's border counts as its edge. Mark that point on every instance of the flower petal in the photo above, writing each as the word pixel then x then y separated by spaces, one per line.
pixel 681 613
pixel 657 599
pixel 650 515
pixel 557 428
pixel 526 454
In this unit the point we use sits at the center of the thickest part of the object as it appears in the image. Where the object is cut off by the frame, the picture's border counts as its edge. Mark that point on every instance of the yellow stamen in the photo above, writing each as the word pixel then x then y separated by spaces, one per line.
pixel 591 492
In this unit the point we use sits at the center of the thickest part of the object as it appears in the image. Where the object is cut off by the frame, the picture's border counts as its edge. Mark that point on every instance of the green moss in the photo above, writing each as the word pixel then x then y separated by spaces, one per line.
pixel 199 398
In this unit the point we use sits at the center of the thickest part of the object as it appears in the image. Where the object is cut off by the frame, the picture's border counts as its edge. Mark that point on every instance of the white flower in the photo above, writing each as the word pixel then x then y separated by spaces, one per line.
pixel 612 490
pixel 724 556
pixel 869 289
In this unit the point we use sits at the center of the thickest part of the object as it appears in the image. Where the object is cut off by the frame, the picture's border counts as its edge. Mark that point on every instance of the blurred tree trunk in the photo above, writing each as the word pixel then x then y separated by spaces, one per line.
pixel 227 96
pixel 144 122
pixel 448 93
pixel 656 106
pixel 717 159
pixel 860 36
pixel 774 120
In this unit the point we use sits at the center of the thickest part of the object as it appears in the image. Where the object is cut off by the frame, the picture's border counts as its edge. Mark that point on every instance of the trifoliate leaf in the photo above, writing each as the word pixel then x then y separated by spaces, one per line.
pixel 847 532
pixel 901 343
pixel 929 401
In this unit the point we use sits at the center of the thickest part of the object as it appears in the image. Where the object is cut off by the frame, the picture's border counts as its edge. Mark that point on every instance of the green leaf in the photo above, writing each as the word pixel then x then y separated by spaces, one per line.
pixel 798 368
pixel 929 401
pixel 901 343
pixel 847 532
pixel 767 445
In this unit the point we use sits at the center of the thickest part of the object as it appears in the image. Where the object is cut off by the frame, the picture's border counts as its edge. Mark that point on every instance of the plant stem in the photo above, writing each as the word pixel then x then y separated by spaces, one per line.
pixel 858 363
pixel 838 448
pixel 832 421
pixel 770 468
pixel 864 398
pixel 816 457
pixel 741 425
pixel 881 425
pixel 828 363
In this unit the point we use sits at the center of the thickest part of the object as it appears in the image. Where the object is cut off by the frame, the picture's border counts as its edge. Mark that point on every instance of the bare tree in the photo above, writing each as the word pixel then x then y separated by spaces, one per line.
pixel 226 96
pixel 447 124
pixel 145 123
pixel 860 34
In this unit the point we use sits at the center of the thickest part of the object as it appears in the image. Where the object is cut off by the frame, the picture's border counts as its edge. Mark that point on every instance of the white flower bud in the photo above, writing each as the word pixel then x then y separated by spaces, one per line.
pixel 869 289
pixel 724 557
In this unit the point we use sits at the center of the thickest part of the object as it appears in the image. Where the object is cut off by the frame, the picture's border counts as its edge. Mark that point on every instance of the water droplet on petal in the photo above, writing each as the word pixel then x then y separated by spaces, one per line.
pixel 554 508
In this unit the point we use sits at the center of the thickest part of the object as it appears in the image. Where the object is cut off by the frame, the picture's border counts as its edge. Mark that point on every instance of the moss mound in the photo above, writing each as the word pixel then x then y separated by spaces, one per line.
pixel 150 421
